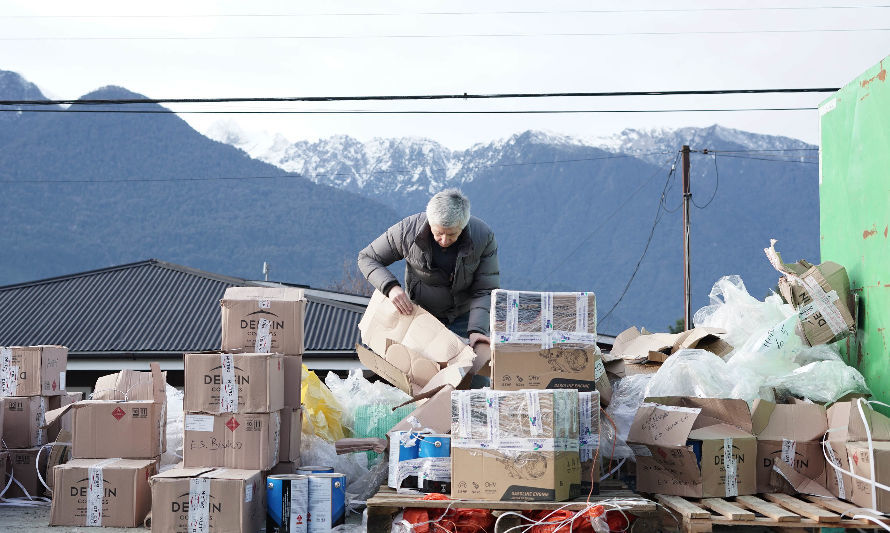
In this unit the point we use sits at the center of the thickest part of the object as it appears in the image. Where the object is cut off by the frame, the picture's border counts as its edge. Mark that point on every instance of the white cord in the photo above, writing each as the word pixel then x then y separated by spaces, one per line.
pixel 621 462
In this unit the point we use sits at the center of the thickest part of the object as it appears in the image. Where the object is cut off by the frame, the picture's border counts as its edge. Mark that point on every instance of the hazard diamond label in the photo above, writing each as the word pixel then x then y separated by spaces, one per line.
pixel 118 413
pixel 54 384
pixel 232 424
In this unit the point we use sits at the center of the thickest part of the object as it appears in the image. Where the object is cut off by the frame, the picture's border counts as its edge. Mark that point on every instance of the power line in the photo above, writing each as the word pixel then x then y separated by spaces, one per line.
pixel 716 186
pixel 449 13
pixel 330 174
pixel 771 159
pixel 406 112
pixel 458 96
pixel 607 219
pixel 658 217
pixel 437 36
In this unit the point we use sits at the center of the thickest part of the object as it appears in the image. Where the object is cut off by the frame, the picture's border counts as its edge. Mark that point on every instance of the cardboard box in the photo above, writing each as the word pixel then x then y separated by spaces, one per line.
pixel 23 419
pixel 640 346
pixel 515 367
pixel 32 370
pixel 433 412
pixel 263 320
pixel 791 433
pixel 241 440
pixel 23 466
pixel 691 441
pixel 134 429
pixel 127 385
pixel 293 377
pixel 234 500
pixel 846 425
pixel 515 445
pixel 861 462
pixel 233 383
pixel 589 437
pixel 291 430
pixel 286 467
pixel 63 423
pixel 820 293
pixel 102 492
pixel 415 353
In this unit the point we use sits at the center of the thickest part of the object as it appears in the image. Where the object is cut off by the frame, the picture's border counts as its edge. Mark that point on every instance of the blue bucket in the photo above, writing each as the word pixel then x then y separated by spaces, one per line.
pixel 327 502
pixel 432 446
pixel 287 503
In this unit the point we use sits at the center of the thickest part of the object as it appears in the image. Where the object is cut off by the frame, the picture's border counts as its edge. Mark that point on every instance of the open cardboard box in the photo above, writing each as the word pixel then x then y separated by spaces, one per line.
pixel 691 441
pixel 847 437
pixel 131 429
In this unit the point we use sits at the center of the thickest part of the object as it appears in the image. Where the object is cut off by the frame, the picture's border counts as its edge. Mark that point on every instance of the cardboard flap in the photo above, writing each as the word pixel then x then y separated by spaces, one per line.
pixel 131 385
pixel 797 422
pixel 662 425
pixel 181 472
pixel 634 345
pixel 703 339
pixel 159 384
pixel 713 410
pixel 51 416
pixel 434 413
pixel 421 397
pixel 383 368
pixel 287 294
pixel 800 482
pixel 718 431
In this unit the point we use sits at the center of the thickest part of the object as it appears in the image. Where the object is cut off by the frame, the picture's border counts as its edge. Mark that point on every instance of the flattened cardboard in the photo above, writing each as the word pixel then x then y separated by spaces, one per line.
pixel 34 370
pixel 860 492
pixel 800 425
pixel 125 495
pixel 641 346
pixel 291 429
pixel 236 500
pixel 293 376
pixel 241 440
pixel 244 307
pixel 687 439
pixel 259 380
pixel 22 420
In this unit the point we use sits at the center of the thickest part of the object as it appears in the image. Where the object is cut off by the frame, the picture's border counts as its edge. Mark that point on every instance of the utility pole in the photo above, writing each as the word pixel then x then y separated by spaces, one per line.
pixel 687 282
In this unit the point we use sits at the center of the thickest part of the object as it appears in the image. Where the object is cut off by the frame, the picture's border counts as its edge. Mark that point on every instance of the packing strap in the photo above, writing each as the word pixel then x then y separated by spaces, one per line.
pixel 228 390
pixel 199 505
pixel 263 337
pixel 832 460
pixel 96 492
pixel 8 373
pixel 589 430
pixel 492 413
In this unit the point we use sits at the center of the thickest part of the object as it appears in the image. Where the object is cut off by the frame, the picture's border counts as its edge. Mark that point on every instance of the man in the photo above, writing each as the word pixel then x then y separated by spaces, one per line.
pixel 451 265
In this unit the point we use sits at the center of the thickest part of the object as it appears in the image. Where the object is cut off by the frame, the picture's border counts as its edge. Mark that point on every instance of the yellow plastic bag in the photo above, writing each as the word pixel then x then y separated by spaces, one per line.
pixel 321 411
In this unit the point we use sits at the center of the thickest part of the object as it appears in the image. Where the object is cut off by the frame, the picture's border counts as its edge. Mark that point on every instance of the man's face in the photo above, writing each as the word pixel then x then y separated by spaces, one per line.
pixel 445 237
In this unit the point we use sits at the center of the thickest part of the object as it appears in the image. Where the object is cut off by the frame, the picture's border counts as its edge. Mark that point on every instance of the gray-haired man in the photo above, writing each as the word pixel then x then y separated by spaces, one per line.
pixel 451 264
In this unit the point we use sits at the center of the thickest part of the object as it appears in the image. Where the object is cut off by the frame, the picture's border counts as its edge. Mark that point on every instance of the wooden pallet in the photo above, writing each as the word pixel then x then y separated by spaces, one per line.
pixel 779 511
pixel 387 502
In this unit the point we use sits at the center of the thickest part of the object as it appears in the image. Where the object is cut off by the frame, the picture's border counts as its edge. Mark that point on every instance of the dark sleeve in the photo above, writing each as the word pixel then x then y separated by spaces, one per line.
pixel 382 252
pixel 486 278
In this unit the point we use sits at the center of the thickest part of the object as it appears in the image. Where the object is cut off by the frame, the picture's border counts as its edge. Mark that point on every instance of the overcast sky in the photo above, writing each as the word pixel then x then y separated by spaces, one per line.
pixel 167 49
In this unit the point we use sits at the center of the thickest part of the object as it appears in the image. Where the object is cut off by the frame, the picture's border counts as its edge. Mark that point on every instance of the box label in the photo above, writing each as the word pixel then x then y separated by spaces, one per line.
pixel 8 373
pixel 198 423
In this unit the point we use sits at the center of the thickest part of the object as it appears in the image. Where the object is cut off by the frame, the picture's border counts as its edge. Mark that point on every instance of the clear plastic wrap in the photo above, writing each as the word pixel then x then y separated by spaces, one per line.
pixel 823 381
pixel 361 482
pixel 626 400
pixel 356 392
pixel 738 313
pixel 771 353
pixel 532 320
pixel 175 437
pixel 487 416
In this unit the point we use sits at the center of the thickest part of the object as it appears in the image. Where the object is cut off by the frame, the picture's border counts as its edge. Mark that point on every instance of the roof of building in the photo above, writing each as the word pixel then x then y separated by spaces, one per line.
pixel 152 307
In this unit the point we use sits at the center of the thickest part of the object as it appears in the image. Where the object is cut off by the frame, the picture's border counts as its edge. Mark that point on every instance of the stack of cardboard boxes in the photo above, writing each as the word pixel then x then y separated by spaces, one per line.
pixel 32 382
pixel 242 416
pixel 116 441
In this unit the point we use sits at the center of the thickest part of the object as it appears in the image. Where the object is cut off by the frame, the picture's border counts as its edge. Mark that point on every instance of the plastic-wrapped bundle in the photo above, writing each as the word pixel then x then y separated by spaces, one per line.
pixel 173 455
pixel 823 381
pixel 542 319
pixel 626 400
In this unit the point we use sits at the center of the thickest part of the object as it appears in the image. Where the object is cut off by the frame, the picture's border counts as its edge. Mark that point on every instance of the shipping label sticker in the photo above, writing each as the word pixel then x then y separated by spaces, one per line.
pixel 730 469
pixel 789 447
pixel 264 304
pixel 585 410
pixel 199 505
pixel 598 369
pixel 62 380
pixel 198 422
pixel 263 342
pixel 8 373
pixel 228 391
pixel 248 493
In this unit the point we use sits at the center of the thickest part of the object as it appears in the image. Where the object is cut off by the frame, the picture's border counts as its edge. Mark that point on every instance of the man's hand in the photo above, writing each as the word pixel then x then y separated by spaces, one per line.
pixel 478 337
pixel 400 300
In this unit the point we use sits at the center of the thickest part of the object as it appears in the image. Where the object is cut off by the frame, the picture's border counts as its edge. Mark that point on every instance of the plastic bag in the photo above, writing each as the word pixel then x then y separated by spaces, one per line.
pixel 771 353
pixel 175 437
pixel 321 411
pixel 702 374
pixel 627 397
pixel 361 483
pixel 738 313
pixel 823 381
pixel 355 391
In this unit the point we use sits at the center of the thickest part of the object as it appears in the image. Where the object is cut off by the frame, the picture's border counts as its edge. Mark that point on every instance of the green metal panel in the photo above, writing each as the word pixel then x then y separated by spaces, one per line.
pixel 854 198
